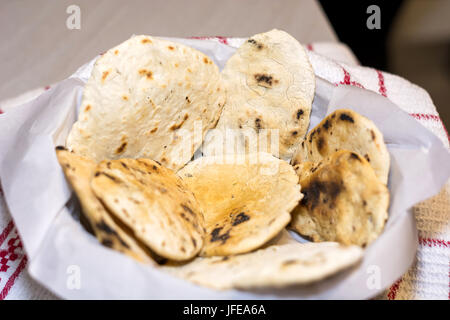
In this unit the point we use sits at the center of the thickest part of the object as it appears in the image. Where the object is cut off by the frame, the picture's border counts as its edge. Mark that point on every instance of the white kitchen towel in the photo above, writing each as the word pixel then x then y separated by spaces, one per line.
pixel 428 278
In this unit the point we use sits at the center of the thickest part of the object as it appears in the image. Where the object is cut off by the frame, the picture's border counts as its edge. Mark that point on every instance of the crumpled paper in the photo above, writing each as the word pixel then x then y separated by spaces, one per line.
pixel 71 263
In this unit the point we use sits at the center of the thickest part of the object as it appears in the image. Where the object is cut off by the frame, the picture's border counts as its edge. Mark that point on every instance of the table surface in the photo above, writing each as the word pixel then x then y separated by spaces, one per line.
pixel 38 49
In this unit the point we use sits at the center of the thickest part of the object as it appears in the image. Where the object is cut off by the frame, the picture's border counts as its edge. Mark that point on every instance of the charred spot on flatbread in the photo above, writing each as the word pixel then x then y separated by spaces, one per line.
pixel 265 80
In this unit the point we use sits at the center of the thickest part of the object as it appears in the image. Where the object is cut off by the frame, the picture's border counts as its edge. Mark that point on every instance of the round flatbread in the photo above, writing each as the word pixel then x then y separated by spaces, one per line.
pixel 346 129
pixel 270 85
pixel 111 233
pixel 274 266
pixel 154 203
pixel 343 201
pixel 148 98
pixel 246 200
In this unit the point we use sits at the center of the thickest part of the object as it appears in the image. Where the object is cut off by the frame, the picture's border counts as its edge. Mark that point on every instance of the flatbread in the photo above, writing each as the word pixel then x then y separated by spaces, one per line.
pixel 343 201
pixel 346 129
pixel 270 85
pixel 275 266
pixel 78 171
pixel 154 203
pixel 245 203
pixel 148 98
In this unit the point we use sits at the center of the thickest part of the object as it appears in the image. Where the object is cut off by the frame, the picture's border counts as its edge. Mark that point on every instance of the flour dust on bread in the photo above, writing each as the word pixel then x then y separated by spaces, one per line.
pixel 143 100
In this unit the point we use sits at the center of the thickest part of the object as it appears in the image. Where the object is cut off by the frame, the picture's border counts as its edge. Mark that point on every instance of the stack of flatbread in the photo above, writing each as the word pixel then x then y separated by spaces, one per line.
pixel 221 220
